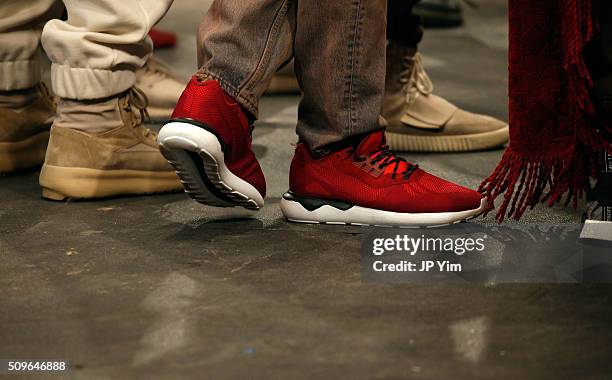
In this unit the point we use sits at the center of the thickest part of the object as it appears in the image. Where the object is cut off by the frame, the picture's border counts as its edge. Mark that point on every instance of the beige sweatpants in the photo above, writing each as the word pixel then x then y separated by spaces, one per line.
pixel 21 23
pixel 94 54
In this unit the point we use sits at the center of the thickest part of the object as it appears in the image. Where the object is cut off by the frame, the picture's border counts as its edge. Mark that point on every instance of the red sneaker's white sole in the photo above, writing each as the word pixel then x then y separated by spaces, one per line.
pixel 198 159
pixel 341 213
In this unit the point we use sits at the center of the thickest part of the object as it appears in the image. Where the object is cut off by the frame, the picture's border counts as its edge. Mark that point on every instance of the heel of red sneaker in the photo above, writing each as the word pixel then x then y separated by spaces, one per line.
pixel 197 155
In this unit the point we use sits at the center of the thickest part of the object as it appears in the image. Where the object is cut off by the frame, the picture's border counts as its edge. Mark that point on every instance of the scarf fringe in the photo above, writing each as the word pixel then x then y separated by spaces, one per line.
pixel 526 180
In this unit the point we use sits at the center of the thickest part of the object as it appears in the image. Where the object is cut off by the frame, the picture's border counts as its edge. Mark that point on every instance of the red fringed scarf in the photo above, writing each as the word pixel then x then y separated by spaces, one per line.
pixel 554 145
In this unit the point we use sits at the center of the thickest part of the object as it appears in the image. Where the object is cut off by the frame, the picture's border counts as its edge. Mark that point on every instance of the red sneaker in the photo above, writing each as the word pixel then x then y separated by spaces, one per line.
pixel 162 39
pixel 208 141
pixel 369 185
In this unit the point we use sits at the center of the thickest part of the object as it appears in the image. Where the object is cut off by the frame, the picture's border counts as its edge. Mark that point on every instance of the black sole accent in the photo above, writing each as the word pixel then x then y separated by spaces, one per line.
pixel 312 204
pixel 197 160
pixel 203 126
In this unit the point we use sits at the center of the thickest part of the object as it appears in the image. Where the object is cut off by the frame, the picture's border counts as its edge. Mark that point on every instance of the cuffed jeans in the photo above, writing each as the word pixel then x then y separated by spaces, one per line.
pixel 339 51
pixel 94 53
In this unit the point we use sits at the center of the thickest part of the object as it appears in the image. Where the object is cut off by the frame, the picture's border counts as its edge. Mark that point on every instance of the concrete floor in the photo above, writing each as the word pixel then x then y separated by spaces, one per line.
pixel 161 287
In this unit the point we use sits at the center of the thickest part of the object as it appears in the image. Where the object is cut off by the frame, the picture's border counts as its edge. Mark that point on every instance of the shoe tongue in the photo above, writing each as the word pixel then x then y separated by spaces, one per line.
pixel 371 142
pixel 374 141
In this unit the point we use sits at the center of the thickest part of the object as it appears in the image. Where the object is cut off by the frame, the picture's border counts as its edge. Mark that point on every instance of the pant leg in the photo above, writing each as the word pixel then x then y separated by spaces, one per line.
pixel 340 64
pixel 403 26
pixel 95 53
pixel 243 43
pixel 339 49
pixel 599 59
pixel 21 23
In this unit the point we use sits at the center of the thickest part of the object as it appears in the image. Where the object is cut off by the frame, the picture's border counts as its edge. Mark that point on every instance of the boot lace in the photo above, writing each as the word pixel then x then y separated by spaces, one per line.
pixel 384 157
pixel 51 100
pixel 135 103
pixel 414 78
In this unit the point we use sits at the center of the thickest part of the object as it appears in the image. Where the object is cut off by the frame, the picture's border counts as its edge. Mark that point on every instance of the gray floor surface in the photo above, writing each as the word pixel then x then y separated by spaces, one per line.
pixel 161 287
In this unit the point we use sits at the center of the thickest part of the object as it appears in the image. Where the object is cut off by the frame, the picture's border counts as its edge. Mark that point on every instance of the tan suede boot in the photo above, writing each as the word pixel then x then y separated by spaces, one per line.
pixel 123 160
pixel 419 121
pixel 284 82
pixel 162 88
pixel 24 132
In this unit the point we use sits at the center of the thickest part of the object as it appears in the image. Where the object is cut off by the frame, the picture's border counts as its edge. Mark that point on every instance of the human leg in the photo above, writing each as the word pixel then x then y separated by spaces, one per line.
pixel 420 120
pixel 26 109
pixel 98 146
pixel 209 138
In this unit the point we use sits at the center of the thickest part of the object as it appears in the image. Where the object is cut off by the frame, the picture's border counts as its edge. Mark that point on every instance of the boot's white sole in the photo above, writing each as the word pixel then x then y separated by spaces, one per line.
pixel 459 143
pixel 197 156
pixel 309 210
pixel 60 183
pixel 23 154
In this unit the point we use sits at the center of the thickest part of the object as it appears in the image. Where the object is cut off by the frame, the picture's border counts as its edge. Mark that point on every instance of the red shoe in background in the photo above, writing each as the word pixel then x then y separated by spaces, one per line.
pixel 162 39
pixel 369 185
pixel 208 141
